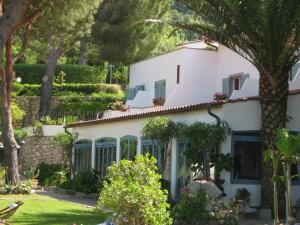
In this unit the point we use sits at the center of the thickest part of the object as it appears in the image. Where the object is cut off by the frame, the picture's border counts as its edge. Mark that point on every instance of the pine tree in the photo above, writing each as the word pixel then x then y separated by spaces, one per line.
pixel 124 31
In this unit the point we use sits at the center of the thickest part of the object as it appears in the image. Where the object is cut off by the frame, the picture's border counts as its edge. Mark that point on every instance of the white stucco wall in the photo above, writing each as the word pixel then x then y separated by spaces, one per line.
pixel 201 74
pixel 241 116
pixel 229 63
pixel 134 128
pixel 246 116
pixel 250 88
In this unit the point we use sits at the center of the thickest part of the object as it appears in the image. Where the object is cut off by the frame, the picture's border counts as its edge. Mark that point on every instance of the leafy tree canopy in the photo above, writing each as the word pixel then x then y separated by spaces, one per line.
pixel 63 24
pixel 122 31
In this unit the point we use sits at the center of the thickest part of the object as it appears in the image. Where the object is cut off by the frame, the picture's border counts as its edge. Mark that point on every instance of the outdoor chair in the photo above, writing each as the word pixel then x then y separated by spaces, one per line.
pixel 8 212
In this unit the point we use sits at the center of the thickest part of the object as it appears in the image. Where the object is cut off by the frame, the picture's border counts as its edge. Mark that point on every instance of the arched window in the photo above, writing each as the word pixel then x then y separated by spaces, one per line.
pixel 105 154
pixel 155 149
pixel 82 155
pixel 128 146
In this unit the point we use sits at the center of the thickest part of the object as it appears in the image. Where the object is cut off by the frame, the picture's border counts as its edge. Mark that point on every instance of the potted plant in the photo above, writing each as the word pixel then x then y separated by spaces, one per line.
pixel 159 101
pixel 218 96
pixel 32 176
pixel 243 196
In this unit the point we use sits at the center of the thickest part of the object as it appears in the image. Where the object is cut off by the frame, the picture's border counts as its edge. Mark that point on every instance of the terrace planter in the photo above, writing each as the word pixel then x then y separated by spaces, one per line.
pixel 159 101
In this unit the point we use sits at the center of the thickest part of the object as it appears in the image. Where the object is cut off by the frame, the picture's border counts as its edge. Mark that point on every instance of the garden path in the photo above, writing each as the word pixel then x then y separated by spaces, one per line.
pixel 90 203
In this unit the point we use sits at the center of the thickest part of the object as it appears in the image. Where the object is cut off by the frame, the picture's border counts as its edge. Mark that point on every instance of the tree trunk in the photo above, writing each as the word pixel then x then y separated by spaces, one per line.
pixel 273 99
pixel 47 81
pixel 82 52
pixel 10 145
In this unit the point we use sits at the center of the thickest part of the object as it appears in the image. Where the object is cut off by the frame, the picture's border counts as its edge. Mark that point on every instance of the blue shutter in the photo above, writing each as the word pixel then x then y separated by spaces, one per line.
pixel 163 89
pixel 156 89
pixel 226 87
pixel 130 94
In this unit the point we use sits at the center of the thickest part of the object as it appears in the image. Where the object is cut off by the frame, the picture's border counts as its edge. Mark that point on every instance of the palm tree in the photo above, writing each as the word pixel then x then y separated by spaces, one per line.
pixel 266 33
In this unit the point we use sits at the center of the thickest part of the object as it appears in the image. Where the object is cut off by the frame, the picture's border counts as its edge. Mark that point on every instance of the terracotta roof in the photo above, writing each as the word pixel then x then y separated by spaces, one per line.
pixel 166 111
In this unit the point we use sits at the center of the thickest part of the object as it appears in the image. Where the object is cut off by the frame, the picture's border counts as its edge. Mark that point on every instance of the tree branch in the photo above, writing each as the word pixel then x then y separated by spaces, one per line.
pixel 29 20
pixel 24 45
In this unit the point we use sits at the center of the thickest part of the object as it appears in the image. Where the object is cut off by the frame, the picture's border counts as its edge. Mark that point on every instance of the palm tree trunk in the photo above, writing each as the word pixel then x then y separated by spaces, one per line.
pixel 9 142
pixel 47 81
pixel 273 98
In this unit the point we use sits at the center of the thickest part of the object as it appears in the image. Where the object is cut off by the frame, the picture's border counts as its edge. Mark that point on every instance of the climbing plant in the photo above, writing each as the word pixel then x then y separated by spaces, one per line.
pixel 162 130
pixel 205 139
pixel 203 155
pixel 65 140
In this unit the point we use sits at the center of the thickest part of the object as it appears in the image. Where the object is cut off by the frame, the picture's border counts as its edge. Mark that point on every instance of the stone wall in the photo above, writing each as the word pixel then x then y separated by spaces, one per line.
pixel 39 149
pixel 31 105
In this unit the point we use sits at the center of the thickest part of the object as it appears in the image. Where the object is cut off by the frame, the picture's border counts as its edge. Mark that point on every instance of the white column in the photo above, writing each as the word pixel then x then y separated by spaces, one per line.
pixel 139 145
pixel 118 148
pixel 93 154
pixel 174 167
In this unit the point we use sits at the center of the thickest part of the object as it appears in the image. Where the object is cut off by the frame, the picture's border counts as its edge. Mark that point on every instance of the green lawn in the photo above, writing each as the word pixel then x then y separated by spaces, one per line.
pixel 42 210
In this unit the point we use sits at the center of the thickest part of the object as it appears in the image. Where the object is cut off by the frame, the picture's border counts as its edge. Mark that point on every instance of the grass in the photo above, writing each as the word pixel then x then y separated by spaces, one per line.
pixel 43 210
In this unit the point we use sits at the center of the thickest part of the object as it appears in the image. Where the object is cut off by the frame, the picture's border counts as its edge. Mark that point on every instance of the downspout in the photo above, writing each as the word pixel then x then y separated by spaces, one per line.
pixel 214 115
pixel 217 149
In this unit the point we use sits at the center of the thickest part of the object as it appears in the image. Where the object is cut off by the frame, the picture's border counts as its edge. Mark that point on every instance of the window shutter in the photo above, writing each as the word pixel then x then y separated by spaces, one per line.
pixel 156 91
pixel 163 89
pixel 244 77
pixel 130 94
pixel 226 87
pixel 160 89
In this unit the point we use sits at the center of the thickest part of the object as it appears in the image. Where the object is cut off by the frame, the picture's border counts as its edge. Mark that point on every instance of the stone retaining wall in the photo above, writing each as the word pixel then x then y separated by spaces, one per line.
pixel 31 105
pixel 39 149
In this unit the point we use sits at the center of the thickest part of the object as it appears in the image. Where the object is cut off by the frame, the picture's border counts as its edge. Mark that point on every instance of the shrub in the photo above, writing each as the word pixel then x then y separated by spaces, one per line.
pixel 60 89
pixel 88 181
pixel 226 213
pixel 24 187
pixel 46 172
pixel 20 134
pixel 133 193
pixel 243 194
pixel 191 209
pixel 32 74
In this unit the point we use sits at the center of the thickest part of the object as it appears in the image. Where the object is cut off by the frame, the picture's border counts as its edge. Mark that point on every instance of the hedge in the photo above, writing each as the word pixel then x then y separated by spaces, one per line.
pixel 33 73
pixel 67 89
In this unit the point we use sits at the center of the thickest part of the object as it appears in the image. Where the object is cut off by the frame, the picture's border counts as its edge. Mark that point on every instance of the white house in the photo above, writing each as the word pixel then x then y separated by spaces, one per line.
pixel 182 84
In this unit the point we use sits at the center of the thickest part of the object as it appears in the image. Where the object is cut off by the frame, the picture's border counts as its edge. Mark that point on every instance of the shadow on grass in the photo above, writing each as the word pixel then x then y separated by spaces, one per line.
pixel 65 217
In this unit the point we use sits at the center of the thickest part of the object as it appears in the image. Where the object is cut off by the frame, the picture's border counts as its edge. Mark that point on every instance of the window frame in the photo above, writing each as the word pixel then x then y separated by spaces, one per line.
pixel 178 74
pixel 86 146
pixel 254 135
pixel 129 139
pixel 107 146
pixel 157 84
pixel 243 136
